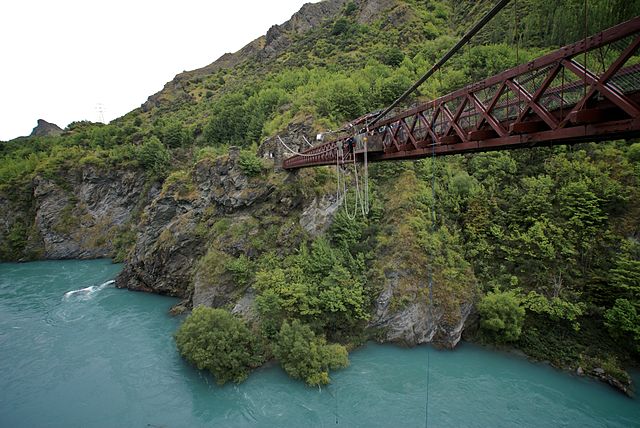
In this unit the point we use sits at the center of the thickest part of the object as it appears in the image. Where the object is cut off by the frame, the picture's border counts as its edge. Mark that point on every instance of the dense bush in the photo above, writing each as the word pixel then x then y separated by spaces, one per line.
pixel 315 287
pixel 154 156
pixel 215 340
pixel 501 316
pixel 555 308
pixel 303 355
pixel 249 163
pixel 623 322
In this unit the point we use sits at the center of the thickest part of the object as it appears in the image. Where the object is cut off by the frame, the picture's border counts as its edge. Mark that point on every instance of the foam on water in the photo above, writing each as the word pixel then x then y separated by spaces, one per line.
pixel 87 293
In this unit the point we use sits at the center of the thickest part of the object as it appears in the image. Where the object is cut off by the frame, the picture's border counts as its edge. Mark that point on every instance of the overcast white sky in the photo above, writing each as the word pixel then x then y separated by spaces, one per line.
pixel 59 59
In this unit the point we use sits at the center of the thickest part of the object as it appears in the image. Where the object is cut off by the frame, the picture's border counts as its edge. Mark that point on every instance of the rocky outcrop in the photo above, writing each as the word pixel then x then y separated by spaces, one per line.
pixel 74 214
pixel 224 184
pixel 45 129
pixel 602 375
pixel 293 136
pixel 318 215
pixel 78 217
pixel 172 235
pixel 416 321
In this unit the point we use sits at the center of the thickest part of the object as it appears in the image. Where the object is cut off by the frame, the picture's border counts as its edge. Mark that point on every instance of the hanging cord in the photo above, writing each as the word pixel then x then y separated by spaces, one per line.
pixel 336 401
pixel 307 141
pixel 302 154
pixel 345 193
pixel 338 195
pixel 517 35
pixel 477 27
pixel 430 271
pixel 355 173
pixel 431 255
pixel 426 412
pixel 366 171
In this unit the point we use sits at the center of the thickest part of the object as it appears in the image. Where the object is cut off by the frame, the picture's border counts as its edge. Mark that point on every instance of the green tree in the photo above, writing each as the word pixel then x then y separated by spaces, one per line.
pixel 555 308
pixel 501 315
pixel 229 119
pixel 625 275
pixel 249 163
pixel 154 156
pixel 623 322
pixel 214 340
pixel 303 355
pixel 173 134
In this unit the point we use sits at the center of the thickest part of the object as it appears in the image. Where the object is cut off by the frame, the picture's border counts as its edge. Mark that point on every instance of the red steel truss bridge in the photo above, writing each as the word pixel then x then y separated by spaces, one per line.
pixel 587 91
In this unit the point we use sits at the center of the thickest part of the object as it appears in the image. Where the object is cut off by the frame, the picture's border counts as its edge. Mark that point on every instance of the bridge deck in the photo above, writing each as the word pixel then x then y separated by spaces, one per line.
pixel 586 91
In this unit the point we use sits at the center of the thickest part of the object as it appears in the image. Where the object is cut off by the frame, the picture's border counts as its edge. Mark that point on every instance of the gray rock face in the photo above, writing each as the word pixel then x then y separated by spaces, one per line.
pixel 318 215
pixel 416 322
pixel 45 129
pixel 169 244
pixel 166 250
pixel 79 223
pixel 223 184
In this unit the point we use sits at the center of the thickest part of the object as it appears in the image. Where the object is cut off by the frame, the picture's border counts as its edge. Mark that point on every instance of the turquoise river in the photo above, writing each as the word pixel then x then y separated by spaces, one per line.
pixel 76 352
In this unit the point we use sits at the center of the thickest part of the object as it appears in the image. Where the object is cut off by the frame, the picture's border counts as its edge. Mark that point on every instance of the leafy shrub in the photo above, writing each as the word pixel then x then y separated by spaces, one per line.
pixel 249 163
pixel 178 182
pixel 13 244
pixel 315 287
pixel 123 242
pixel 350 8
pixel 153 156
pixel 214 340
pixel 391 56
pixel 623 321
pixel 241 269
pixel 501 316
pixel 305 356
pixel 555 308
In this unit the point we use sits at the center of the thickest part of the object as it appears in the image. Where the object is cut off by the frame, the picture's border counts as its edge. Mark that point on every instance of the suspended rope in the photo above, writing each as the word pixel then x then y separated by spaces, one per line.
pixel 336 401
pixel 366 171
pixel 477 27
pixel 302 154
pixel 426 412
pixel 586 23
pixel 307 141
pixel 361 191
pixel 431 254
pixel 342 191
pixel 517 36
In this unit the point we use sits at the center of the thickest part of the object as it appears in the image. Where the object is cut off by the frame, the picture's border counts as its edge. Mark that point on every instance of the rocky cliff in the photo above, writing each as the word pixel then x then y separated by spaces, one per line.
pixel 197 225
pixel 77 214
pixel 45 129
pixel 265 49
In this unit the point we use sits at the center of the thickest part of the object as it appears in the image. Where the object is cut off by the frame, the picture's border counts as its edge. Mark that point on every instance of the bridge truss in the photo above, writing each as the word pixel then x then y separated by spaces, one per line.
pixel 587 91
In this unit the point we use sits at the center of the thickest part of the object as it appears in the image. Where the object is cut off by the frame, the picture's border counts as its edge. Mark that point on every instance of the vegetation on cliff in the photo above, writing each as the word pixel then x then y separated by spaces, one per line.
pixel 545 241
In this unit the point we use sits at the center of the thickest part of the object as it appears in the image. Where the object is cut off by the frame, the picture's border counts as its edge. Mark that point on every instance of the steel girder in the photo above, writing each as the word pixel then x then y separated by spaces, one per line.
pixel 586 91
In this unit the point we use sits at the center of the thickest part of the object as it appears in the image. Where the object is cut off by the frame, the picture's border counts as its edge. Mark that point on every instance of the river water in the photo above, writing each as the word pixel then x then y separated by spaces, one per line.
pixel 76 352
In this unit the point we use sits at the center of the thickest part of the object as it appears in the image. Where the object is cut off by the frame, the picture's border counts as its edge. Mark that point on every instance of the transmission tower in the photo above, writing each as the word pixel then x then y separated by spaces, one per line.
pixel 100 110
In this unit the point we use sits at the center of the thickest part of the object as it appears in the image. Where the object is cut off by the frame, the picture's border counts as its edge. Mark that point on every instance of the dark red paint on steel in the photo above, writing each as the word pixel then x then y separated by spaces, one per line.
pixel 466 121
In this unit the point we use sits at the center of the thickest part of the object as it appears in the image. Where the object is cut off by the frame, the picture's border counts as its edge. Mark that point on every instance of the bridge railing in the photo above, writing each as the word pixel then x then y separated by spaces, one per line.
pixel 589 90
